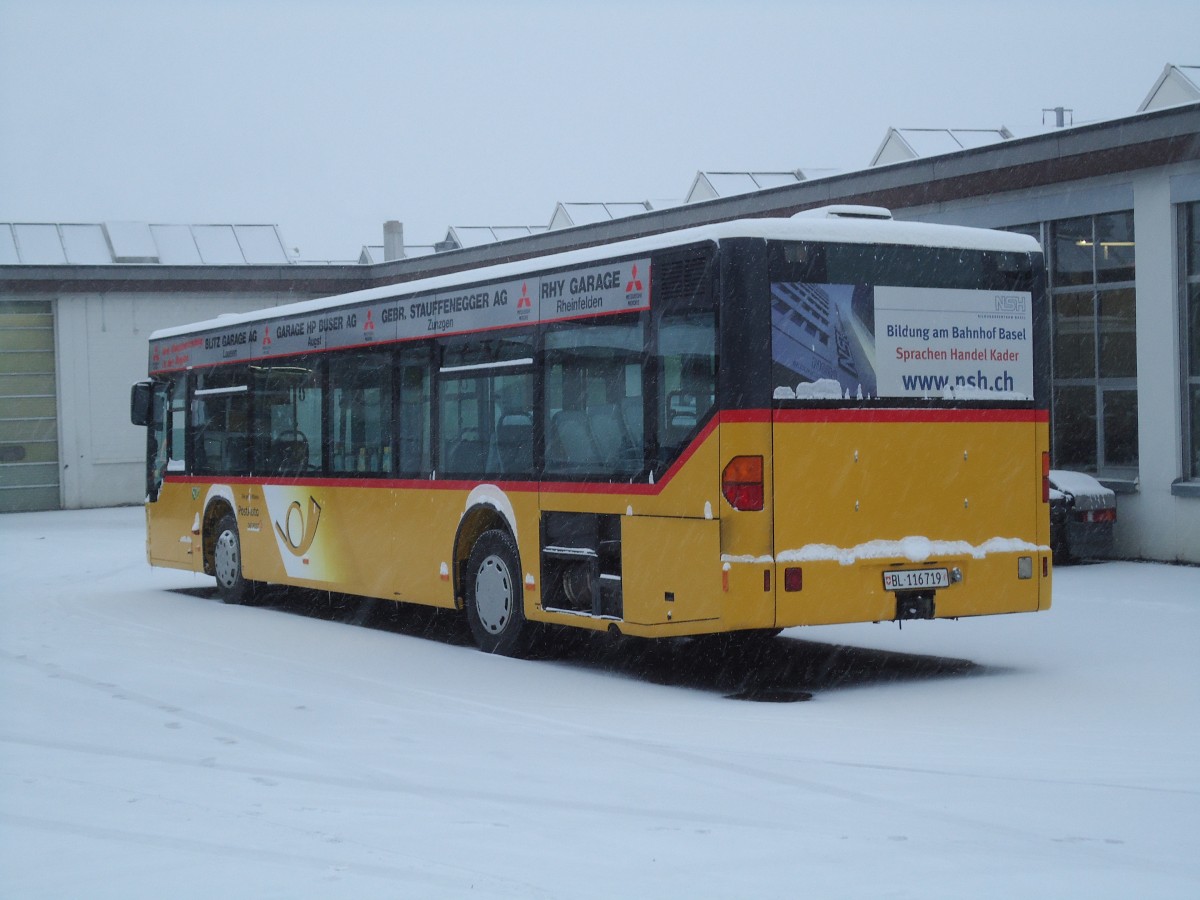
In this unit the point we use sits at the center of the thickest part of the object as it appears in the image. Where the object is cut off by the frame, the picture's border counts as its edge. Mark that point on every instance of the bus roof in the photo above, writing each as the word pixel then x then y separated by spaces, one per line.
pixel 805 226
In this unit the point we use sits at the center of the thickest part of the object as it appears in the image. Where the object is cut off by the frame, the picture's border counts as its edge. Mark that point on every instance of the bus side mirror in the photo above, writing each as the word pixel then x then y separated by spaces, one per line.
pixel 140 399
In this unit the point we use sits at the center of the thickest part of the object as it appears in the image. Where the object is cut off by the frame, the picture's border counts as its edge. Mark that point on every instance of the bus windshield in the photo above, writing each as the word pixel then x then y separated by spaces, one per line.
pixel 872 321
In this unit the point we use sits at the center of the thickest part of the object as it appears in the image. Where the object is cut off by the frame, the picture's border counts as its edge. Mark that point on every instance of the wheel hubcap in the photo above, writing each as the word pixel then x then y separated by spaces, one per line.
pixel 493 594
pixel 227 562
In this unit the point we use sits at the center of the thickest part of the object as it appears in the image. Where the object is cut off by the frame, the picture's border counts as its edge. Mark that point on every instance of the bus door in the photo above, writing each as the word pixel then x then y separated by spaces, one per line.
pixel 672 547
pixel 170 508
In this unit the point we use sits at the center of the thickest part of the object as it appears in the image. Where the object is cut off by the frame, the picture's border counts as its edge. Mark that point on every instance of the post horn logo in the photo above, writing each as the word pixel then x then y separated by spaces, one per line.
pixel 299 531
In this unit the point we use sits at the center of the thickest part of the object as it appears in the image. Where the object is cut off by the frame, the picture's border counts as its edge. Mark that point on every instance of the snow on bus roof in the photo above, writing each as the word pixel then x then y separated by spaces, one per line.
pixel 808 226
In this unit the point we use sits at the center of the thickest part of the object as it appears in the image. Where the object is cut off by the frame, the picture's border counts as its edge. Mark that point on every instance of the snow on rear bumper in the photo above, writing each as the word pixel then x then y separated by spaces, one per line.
pixel 839 584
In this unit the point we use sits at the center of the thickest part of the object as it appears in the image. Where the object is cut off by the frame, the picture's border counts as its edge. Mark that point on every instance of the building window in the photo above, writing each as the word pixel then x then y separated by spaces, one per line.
pixel 1092 296
pixel 1191 288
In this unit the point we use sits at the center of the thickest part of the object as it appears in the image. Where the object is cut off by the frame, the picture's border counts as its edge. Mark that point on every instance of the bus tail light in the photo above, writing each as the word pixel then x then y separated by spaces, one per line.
pixel 742 482
pixel 1045 476
pixel 793 578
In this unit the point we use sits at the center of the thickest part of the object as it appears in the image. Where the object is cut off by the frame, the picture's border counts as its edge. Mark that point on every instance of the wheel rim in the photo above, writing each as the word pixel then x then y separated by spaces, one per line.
pixel 228 559
pixel 493 594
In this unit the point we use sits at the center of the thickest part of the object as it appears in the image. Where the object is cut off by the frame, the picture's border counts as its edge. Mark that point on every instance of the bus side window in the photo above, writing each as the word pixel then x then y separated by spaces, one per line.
pixel 360 413
pixel 485 407
pixel 459 415
pixel 687 378
pixel 511 452
pixel 288 428
pixel 593 403
pixel 685 346
pixel 177 426
pixel 486 424
pixel 220 423
pixel 415 413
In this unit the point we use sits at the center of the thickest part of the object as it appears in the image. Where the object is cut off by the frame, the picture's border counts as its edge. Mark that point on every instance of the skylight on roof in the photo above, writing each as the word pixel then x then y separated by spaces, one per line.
pixel 260 244
pixel 131 242
pixel 587 213
pixel 775 179
pixel 930 142
pixel 729 183
pixel 473 235
pixel 85 245
pixel 218 245
pixel 970 139
pixel 8 246
pixel 176 246
pixel 39 244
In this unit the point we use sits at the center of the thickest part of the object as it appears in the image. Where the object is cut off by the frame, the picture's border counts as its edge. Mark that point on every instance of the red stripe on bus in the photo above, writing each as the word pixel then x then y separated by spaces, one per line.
pixel 744 416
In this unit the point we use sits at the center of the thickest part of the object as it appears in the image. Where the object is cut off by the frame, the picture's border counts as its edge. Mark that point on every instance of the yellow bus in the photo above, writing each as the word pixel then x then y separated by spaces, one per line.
pixel 739 427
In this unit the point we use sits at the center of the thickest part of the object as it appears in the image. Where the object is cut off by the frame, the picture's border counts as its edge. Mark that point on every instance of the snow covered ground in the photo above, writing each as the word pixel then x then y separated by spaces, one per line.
pixel 155 743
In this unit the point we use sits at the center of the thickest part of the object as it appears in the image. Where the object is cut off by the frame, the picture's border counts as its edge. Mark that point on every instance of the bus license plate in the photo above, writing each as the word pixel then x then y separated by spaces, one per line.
pixel 915 579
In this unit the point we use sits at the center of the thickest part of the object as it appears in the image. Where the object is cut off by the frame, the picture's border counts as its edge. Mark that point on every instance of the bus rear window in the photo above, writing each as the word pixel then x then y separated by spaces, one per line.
pixel 851 322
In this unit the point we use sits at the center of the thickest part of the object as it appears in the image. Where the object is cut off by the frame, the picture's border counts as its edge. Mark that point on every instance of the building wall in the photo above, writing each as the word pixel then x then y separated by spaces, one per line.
pixel 1155 519
pixel 101 349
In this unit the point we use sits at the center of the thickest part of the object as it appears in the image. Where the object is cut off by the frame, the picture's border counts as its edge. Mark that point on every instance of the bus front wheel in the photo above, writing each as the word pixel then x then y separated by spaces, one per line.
pixel 493 595
pixel 227 564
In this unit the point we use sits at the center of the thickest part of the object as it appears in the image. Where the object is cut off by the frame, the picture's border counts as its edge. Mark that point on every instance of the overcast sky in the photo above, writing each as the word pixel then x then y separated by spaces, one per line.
pixel 328 118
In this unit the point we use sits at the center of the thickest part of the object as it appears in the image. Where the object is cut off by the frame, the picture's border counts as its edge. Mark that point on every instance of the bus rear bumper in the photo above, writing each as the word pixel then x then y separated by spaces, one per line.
pixel 827 592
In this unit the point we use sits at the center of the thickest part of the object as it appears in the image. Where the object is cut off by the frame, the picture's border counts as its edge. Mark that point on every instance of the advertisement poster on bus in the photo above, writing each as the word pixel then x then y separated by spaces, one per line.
pixel 613 288
pixel 865 341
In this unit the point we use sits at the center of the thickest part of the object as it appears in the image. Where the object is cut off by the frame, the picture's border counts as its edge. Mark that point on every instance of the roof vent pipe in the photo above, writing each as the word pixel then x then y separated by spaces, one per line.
pixel 393 240
pixel 1060 116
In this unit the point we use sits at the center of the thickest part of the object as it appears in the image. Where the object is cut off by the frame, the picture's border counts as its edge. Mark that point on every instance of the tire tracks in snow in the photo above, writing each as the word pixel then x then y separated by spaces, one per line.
pixel 369 778
pixel 411 875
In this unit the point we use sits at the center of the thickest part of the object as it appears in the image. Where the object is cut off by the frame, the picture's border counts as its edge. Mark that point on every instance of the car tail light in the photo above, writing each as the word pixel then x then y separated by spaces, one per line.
pixel 1096 515
pixel 1045 476
pixel 742 482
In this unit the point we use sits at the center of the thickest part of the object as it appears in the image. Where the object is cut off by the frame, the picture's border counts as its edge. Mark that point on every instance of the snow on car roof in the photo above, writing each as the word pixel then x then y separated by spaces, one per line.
pixel 1078 484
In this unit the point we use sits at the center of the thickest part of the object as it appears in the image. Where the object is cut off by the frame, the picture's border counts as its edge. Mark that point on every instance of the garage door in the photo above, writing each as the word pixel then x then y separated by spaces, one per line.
pixel 28 408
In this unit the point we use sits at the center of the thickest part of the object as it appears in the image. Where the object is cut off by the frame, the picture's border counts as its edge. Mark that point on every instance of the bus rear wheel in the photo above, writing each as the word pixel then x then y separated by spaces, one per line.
pixel 227 564
pixel 494 607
